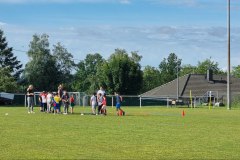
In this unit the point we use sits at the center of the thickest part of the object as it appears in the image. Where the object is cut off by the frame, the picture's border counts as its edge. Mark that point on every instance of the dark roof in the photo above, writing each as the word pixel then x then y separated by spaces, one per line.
pixel 198 84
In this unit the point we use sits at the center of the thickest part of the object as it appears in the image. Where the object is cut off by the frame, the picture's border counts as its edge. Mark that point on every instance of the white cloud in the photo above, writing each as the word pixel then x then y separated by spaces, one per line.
pixel 65 1
pixel 176 2
pixel 125 1
pixel 2 23
pixel 153 42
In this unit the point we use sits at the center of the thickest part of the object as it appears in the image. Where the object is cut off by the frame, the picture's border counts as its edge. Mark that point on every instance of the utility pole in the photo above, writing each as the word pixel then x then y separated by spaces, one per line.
pixel 229 52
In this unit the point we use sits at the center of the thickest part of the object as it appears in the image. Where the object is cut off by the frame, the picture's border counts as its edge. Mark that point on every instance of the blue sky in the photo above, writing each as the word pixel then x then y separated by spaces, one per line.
pixel 193 29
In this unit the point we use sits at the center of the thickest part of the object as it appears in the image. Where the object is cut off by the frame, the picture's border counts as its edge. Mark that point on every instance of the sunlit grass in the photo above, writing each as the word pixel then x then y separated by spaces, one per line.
pixel 144 133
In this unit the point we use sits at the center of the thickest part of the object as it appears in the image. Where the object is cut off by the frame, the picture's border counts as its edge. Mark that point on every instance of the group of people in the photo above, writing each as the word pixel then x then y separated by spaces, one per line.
pixel 51 102
pixel 98 101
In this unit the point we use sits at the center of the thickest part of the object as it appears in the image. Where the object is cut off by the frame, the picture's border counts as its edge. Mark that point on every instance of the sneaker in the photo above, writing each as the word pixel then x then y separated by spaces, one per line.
pixel 29 112
pixel 65 113
pixel 32 112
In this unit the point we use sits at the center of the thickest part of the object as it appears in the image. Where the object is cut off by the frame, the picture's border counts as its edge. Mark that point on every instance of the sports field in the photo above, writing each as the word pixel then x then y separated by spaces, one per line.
pixel 146 133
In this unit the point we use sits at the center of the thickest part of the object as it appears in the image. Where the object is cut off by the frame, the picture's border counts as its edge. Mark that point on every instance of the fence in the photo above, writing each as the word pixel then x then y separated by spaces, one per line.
pixel 84 100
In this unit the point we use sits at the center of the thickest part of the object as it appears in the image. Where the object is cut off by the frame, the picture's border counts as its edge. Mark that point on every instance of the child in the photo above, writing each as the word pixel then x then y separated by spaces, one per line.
pixel 49 102
pixel 72 103
pixel 40 101
pixel 118 105
pixel 99 100
pixel 65 100
pixel 104 105
pixel 43 99
pixel 57 100
pixel 93 103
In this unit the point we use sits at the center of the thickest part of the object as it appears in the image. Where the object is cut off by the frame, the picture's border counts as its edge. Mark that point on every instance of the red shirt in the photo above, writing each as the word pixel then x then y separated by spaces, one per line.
pixel 71 99
pixel 104 102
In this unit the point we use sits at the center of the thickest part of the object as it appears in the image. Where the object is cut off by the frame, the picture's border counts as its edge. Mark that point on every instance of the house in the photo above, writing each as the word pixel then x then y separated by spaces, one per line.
pixel 200 86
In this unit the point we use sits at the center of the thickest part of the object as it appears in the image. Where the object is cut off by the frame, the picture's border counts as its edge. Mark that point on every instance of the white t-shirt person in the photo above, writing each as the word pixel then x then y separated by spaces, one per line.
pixel 102 91
pixel 93 100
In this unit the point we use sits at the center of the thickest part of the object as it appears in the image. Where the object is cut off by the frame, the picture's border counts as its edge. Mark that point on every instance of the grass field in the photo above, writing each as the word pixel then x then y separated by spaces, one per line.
pixel 146 133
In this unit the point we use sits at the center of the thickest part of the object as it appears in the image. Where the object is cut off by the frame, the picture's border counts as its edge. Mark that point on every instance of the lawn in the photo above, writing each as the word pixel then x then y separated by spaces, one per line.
pixel 144 133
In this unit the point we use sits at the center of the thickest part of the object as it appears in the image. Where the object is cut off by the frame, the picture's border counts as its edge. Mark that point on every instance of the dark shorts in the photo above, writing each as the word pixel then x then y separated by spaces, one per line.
pixel 72 104
pixel 56 106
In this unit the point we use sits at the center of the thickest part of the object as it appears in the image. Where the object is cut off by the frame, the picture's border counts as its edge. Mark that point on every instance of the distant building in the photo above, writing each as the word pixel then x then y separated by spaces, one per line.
pixel 199 84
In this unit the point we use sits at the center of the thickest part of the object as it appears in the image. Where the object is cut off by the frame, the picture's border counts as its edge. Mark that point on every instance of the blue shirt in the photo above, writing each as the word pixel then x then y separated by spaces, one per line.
pixel 118 99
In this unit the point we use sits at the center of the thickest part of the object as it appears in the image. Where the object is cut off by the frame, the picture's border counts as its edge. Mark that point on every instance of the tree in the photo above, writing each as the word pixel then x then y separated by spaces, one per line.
pixel 88 76
pixel 187 69
pixel 203 66
pixel 7 81
pixel 41 70
pixel 123 73
pixel 64 63
pixel 168 68
pixel 151 78
pixel 236 71
pixel 7 58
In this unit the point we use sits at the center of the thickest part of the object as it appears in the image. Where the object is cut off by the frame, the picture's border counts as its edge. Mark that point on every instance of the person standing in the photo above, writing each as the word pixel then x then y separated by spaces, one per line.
pixel 100 100
pixel 93 103
pixel 30 95
pixel 100 94
pixel 49 101
pixel 104 105
pixel 101 90
pixel 56 101
pixel 118 104
pixel 65 100
pixel 43 98
pixel 72 103
pixel 60 94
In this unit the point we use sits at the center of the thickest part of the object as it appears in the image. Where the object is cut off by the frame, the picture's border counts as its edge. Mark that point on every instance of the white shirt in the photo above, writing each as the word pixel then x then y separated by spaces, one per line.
pixel 49 98
pixel 101 91
pixel 94 100
pixel 44 98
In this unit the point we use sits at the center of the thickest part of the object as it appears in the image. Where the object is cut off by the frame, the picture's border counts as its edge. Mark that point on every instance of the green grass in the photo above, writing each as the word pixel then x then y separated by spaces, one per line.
pixel 146 133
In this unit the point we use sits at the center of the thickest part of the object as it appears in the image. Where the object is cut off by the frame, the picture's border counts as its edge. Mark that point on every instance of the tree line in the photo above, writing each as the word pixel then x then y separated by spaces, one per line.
pixel 121 72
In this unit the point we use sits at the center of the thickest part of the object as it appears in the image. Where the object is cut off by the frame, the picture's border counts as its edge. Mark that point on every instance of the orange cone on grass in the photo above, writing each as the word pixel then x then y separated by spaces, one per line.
pixel 183 113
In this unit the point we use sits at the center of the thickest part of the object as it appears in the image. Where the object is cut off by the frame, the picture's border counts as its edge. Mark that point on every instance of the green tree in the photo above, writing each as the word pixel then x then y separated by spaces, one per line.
pixel 7 81
pixel 88 76
pixel 203 66
pixel 7 58
pixel 41 70
pixel 187 69
pixel 236 71
pixel 123 73
pixel 64 63
pixel 151 78
pixel 168 68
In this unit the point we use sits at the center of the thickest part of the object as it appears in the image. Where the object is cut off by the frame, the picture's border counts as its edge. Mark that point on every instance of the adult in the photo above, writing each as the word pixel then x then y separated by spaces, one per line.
pixel 101 90
pixel 30 95
pixel 60 94
pixel 100 94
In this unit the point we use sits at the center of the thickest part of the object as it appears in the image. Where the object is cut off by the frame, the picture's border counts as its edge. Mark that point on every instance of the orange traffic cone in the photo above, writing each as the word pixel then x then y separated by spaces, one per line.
pixel 183 113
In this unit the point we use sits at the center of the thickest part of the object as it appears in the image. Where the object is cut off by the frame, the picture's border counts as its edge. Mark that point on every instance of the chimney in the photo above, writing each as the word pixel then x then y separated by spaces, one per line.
pixel 210 74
